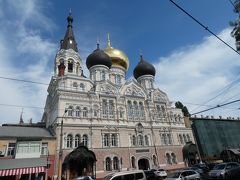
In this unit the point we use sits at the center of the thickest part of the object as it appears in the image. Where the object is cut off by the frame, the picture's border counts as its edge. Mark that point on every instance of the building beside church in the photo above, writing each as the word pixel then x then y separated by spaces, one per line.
pixel 128 124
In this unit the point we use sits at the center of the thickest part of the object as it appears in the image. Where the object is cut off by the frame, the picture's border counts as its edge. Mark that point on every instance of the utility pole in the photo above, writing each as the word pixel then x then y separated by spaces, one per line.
pixel 61 149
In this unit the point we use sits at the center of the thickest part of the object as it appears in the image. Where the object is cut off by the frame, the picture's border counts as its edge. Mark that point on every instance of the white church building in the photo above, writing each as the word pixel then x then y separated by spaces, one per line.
pixel 127 123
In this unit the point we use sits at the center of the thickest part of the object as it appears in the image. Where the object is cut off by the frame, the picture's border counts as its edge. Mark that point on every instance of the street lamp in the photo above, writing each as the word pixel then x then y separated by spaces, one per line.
pixel 60 148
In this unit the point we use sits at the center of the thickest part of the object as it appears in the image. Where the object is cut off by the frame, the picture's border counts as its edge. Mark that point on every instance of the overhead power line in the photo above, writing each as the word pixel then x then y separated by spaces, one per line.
pixel 205 27
pixel 218 106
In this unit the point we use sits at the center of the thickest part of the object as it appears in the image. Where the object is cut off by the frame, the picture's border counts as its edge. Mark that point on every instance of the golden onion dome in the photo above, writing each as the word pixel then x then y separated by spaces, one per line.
pixel 118 57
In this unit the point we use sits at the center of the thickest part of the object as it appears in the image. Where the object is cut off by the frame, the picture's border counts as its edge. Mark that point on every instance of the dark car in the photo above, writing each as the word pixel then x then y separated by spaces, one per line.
pixel 204 167
pixel 150 175
pixel 233 174
pixel 220 171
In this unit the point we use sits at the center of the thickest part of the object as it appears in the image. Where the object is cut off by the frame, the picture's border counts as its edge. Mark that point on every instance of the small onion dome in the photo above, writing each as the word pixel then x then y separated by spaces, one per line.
pixel 98 57
pixel 118 57
pixel 143 68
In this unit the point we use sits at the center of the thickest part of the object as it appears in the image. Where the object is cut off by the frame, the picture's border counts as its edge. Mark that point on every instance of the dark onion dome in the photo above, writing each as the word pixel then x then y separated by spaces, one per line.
pixel 143 68
pixel 98 57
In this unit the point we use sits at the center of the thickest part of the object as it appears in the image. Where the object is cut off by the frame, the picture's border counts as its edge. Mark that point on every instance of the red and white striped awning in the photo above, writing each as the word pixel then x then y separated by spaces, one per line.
pixel 19 171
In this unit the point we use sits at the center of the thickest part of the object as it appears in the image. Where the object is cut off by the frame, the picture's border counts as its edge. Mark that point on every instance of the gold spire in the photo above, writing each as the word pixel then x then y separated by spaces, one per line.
pixel 109 42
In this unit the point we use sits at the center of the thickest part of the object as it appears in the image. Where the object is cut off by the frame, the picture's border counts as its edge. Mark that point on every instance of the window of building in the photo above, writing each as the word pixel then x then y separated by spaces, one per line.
pixel 163 111
pixel 44 149
pixel 181 139
pixel 155 160
pixel 111 109
pixel 188 138
pixel 85 112
pixel 140 140
pixel 114 139
pixel 106 140
pixel 11 149
pixel 133 162
pixel 115 163
pixel 95 111
pixel 184 138
pixel 146 140
pixel 75 85
pixel 77 112
pixel 134 140
pixel 164 138
pixel 34 147
pixel 82 87
pixel 158 111
pixel 23 147
pixel 168 157
pixel 104 108
pixel 85 140
pixel 169 138
pixel 108 164
pixel 121 113
pixel 174 160
pixel 69 141
pixel 136 110
pixel 70 66
pixel 70 111
pixel 77 140
pixel 117 79
pixel 103 73
pixel 141 107
pixel 130 109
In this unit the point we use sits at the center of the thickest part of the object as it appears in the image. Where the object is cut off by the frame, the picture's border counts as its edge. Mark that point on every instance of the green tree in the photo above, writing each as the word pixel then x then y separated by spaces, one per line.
pixel 184 109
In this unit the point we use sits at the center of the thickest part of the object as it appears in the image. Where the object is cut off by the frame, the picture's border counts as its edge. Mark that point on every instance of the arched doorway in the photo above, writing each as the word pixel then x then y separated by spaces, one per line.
pixel 143 164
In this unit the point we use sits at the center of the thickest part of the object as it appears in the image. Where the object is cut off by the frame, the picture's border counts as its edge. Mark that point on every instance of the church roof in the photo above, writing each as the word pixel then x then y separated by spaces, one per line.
pixel 69 41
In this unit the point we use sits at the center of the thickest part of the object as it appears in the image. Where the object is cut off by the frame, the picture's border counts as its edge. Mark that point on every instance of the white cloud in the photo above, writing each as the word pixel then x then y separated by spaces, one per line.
pixel 24 55
pixel 196 73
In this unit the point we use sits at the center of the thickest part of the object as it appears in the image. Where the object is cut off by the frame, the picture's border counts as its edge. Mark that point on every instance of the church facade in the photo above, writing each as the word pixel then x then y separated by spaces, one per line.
pixel 128 124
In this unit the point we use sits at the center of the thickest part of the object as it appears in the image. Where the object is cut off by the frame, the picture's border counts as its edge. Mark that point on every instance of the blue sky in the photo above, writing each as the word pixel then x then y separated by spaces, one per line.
pixel 192 66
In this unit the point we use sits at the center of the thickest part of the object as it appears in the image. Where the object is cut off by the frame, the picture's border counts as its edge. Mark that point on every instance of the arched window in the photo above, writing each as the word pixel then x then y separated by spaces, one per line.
pixel 130 109
pixel 95 110
pixel 179 118
pixel 121 113
pixel 184 138
pixel 140 140
pixel 133 162
pixel 103 73
pixel 75 85
pixel 115 163
pixel 174 160
pixel 85 140
pixel 163 111
pixel 165 138
pixel 188 138
pixel 141 107
pixel 181 139
pixel 111 108
pixel 77 140
pixel 154 160
pixel 114 140
pixel 70 111
pixel 136 110
pixel 77 67
pixel 117 79
pixel 158 111
pixel 85 112
pixel 168 157
pixel 108 164
pixel 134 140
pixel 175 118
pixel 77 112
pixel 104 108
pixel 69 141
pixel 169 138
pixel 70 66
pixel 82 87
pixel 146 140
pixel 106 140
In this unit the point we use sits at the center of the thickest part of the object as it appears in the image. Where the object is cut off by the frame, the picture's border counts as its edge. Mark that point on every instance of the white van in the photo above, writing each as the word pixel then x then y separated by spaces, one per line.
pixel 126 175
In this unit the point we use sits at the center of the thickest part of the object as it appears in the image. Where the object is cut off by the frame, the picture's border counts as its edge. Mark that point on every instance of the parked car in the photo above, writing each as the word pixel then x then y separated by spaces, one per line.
pixel 200 171
pixel 204 167
pixel 161 173
pixel 233 174
pixel 126 175
pixel 150 175
pixel 84 178
pixel 184 175
pixel 221 171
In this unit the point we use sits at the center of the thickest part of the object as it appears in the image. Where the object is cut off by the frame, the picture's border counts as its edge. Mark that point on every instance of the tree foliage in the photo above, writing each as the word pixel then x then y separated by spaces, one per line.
pixel 184 109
